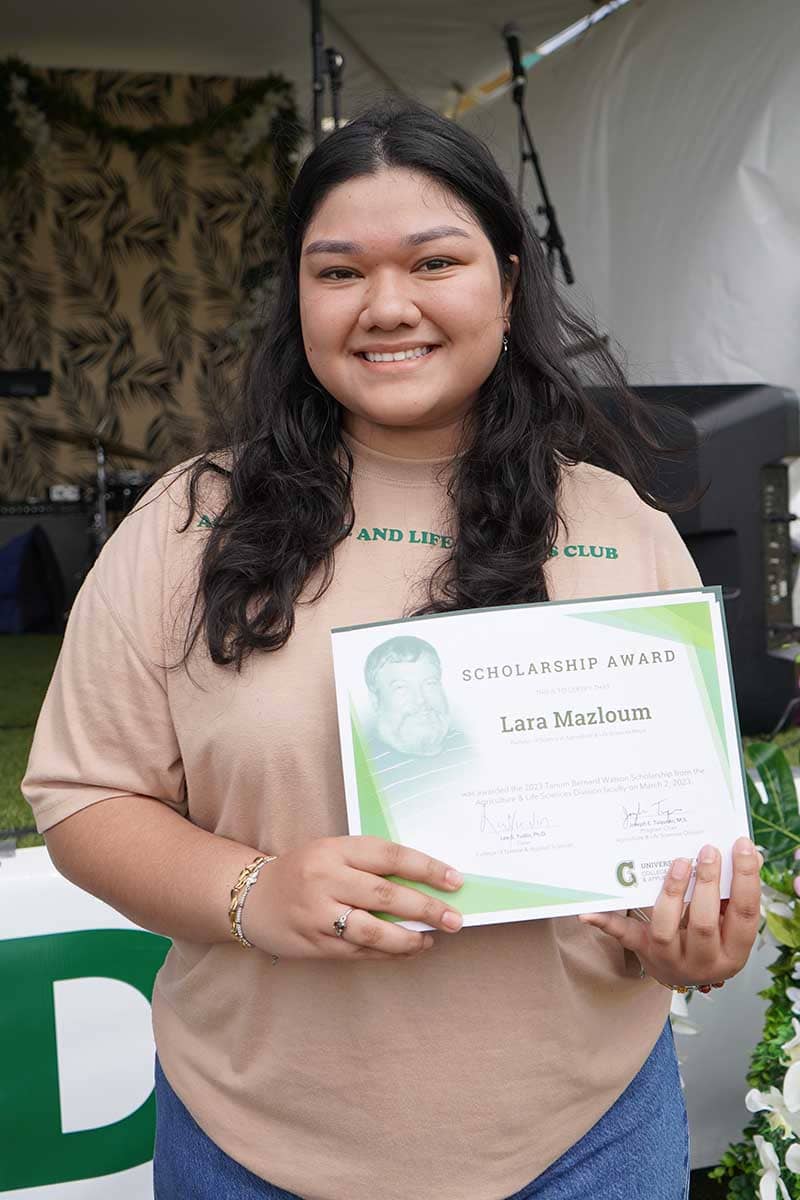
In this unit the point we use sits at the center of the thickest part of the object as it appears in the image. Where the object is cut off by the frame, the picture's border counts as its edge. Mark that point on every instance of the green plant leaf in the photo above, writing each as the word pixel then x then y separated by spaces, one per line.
pixel 776 820
pixel 785 930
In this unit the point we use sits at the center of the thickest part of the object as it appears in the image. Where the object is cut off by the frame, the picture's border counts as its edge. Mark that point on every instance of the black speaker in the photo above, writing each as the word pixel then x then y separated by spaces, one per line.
pixel 68 531
pixel 739 436
pixel 31 585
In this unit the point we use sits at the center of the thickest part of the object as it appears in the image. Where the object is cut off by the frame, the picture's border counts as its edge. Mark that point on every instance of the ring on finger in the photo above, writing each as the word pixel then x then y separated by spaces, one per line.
pixel 340 924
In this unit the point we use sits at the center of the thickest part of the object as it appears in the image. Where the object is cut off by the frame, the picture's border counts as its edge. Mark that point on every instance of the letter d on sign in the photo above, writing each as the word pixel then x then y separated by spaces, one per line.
pixel 36 1152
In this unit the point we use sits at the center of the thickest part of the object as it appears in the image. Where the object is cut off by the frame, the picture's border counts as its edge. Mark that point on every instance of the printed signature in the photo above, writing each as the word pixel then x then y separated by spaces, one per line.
pixel 657 813
pixel 514 826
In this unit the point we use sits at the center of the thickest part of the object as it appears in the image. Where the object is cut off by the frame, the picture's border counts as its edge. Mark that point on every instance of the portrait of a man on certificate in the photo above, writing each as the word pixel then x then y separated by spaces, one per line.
pixel 415 747
pixel 561 754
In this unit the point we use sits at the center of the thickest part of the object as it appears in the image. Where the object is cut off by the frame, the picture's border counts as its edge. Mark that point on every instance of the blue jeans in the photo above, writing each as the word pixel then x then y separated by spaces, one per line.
pixel 639 1148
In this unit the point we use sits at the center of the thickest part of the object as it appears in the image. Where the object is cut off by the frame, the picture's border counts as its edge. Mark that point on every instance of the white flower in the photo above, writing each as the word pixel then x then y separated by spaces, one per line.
pixel 771 1181
pixel 793 1158
pixel 793 995
pixel 792 1047
pixel 771 902
pixel 679 1016
pixel 783 1107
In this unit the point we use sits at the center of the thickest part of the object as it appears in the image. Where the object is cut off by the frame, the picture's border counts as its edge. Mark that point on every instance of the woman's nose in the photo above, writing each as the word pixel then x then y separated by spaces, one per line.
pixel 389 303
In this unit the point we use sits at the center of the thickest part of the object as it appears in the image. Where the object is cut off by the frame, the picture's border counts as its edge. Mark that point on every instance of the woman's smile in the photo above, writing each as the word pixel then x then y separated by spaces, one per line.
pixel 390 362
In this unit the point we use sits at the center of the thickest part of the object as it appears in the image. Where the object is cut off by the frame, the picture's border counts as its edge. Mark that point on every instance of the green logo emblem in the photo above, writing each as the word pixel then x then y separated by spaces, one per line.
pixel 626 875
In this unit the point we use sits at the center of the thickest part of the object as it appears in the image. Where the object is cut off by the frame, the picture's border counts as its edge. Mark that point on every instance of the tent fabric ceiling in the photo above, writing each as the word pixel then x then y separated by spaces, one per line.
pixel 419 47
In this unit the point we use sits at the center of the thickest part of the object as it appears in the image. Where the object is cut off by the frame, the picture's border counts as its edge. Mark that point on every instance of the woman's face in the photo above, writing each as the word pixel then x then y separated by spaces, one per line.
pixel 392 263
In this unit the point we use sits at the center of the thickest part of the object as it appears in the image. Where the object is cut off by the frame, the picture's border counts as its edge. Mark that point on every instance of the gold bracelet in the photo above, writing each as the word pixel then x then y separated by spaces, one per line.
pixel 247 877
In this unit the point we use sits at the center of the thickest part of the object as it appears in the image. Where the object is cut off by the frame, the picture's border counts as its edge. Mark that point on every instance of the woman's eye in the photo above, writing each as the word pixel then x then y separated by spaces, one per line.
pixel 437 263
pixel 336 273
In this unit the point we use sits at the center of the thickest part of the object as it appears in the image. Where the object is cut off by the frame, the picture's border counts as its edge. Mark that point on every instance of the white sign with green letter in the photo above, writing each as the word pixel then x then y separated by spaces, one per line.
pixel 77 1111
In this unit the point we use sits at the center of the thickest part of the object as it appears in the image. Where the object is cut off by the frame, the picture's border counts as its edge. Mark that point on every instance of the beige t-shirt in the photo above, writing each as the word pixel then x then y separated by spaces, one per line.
pixel 462 1074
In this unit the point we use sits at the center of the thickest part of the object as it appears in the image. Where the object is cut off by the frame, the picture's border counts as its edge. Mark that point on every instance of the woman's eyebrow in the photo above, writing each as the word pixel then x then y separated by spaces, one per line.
pixel 430 235
pixel 327 246
pixel 332 247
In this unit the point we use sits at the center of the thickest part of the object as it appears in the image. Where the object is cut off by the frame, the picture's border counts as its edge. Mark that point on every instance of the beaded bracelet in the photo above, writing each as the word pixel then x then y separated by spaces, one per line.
pixel 681 988
pixel 247 877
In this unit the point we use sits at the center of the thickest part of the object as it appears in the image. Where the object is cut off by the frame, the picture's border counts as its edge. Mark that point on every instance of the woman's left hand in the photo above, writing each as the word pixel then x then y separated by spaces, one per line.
pixel 714 940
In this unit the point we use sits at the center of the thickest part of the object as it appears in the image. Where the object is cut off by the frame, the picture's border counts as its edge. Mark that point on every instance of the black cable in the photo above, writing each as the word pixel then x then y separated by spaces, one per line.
pixel 790 707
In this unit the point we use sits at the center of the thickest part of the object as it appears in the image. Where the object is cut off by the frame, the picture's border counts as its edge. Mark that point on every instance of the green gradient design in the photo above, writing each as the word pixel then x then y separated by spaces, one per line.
pixel 686 623
pixel 376 819
pixel 483 894
pixel 690 626
pixel 479 893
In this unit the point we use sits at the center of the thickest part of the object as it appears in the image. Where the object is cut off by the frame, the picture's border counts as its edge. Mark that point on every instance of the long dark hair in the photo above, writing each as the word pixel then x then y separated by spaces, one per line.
pixel 288 470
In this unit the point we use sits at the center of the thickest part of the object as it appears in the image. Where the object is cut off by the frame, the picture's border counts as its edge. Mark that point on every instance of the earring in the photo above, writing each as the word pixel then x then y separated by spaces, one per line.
pixel 505 343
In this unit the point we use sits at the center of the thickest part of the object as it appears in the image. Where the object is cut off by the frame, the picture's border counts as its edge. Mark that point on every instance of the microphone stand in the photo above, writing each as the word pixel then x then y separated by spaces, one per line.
pixel 335 65
pixel 323 62
pixel 552 236
pixel 317 71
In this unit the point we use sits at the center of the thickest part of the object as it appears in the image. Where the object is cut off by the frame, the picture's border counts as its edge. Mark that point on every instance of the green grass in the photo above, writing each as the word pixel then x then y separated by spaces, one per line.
pixel 26 664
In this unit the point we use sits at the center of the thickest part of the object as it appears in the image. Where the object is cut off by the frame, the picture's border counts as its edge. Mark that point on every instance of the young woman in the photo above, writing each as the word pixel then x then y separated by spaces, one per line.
pixel 415 378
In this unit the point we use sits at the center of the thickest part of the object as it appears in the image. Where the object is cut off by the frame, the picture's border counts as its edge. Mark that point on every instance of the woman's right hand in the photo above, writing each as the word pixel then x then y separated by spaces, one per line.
pixel 291 908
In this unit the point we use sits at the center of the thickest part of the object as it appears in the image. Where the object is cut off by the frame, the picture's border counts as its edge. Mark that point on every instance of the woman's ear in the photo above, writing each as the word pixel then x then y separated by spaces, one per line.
pixel 510 284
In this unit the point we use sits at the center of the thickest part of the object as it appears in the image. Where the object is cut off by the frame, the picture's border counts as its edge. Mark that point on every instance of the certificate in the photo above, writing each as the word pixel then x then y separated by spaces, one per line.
pixel 559 755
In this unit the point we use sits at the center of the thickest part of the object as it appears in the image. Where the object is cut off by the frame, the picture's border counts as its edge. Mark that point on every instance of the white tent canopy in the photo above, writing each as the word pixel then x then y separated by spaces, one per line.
pixel 414 46
pixel 668 138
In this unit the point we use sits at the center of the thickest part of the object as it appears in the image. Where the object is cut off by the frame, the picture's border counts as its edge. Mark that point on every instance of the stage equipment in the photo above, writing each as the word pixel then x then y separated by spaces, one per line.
pixel 335 62
pixel 328 63
pixel 102 448
pixel 25 384
pixel 741 439
pixel 69 530
pixel 552 236
pixel 31 585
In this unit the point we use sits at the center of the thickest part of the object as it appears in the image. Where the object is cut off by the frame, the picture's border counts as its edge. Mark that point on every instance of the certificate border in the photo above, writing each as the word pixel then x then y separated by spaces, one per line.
pixel 742 768
pixel 466 612
pixel 600 903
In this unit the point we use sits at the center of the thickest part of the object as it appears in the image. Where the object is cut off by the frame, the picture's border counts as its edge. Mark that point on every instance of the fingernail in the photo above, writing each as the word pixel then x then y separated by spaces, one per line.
pixel 707 855
pixel 680 868
pixel 743 845
pixel 453 878
pixel 427 942
pixel 452 920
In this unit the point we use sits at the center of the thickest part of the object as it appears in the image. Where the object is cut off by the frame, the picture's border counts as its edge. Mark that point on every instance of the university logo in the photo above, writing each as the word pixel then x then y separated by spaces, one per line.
pixel 626 875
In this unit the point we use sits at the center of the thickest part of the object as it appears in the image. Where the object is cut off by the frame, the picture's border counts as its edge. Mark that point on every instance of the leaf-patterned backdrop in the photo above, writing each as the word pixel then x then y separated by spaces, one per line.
pixel 137 276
